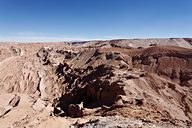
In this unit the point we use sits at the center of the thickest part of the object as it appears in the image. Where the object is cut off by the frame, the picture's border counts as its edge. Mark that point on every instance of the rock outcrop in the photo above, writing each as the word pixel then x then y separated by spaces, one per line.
pixel 150 83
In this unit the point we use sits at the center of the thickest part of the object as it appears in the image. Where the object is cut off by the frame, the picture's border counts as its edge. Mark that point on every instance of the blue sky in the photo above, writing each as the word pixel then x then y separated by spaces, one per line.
pixel 63 20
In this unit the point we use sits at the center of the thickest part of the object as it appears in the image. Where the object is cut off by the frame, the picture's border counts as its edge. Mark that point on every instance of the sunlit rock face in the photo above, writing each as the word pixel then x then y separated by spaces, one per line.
pixel 139 82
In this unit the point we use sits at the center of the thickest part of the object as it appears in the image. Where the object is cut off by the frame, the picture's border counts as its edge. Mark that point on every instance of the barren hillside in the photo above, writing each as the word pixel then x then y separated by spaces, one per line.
pixel 116 83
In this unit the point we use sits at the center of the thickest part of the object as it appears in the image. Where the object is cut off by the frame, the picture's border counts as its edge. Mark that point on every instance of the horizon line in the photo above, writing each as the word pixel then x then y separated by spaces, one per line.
pixel 84 40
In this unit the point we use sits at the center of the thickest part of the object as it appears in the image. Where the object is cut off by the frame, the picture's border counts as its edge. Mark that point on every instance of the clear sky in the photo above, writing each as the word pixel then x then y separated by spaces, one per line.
pixel 61 20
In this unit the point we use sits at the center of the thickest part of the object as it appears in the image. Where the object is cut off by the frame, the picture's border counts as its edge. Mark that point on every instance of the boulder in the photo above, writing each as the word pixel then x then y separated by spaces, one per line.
pixel 75 111
pixel 39 105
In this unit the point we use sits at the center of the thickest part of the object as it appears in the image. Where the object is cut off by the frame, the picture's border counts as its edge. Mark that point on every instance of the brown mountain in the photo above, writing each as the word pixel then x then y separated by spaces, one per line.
pixel 115 83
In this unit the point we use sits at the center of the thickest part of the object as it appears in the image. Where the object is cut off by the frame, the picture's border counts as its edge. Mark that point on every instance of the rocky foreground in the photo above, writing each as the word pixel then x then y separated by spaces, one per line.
pixel 118 83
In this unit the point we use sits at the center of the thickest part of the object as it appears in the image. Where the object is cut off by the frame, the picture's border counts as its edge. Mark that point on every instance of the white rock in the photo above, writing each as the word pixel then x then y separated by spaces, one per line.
pixel 39 105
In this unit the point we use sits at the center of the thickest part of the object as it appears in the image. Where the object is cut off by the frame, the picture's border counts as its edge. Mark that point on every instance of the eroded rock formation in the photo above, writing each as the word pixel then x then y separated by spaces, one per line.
pixel 148 83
